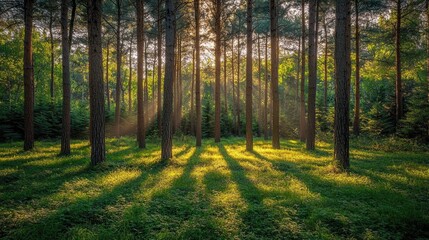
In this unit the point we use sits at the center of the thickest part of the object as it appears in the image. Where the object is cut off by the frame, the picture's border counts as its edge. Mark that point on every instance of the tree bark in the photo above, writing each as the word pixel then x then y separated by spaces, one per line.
pixel 28 77
pixel 118 71
pixel 225 99
pixel 234 103
pixel 140 104
pixel 266 90
pixel 192 108
pixel 427 57
pixel 217 69
pixel 96 82
pixel 302 115
pixel 238 86
pixel 274 75
pixel 107 75
pixel 399 109
pixel 197 73
pixel 167 136
pixel 342 84
pixel 356 122
pixel 51 40
pixel 325 81
pixel 66 128
pixel 312 76
pixel 159 39
pixel 259 88
pixel 249 80
pixel 130 80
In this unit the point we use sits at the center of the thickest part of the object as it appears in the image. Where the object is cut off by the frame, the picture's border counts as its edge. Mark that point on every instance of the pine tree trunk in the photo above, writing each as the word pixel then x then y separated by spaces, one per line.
pixel 28 77
pixel 197 73
pixel 399 109
pixel 234 104
pixel 302 115
pixel 130 80
pixel 274 75
pixel 167 136
pixel 266 90
pixel 259 89
pixel 66 128
pixel 238 87
pixel 312 76
pixel 325 81
pixel 225 99
pixel 342 84
pixel 249 80
pixel 118 71
pixel 192 112
pixel 356 122
pixel 96 88
pixel 140 46
pixel 159 39
pixel 217 69
pixel 427 57
pixel 107 75
pixel 51 40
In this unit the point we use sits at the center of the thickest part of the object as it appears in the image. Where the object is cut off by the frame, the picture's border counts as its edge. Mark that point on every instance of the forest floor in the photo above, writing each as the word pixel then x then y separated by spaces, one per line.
pixel 218 191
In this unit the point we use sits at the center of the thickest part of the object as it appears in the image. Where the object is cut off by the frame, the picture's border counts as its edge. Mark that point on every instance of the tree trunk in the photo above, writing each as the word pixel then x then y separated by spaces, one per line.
pixel 234 104
pixel 325 81
pixel 238 86
pixel 167 136
pixel 302 118
pixel 266 90
pixel 217 69
pixel 28 77
pixel 66 128
pixel 259 88
pixel 197 73
pixel 312 76
pixel 145 83
pixel 225 99
pixel 107 75
pixel 130 80
pixel 159 39
pixel 427 57
pixel 399 109
pixel 192 108
pixel 356 122
pixel 249 80
pixel 342 84
pixel 72 18
pixel 274 75
pixel 118 71
pixel 51 40
pixel 140 104
pixel 96 88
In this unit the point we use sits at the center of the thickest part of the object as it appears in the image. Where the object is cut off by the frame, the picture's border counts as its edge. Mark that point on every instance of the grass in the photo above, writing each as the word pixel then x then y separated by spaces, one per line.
pixel 218 191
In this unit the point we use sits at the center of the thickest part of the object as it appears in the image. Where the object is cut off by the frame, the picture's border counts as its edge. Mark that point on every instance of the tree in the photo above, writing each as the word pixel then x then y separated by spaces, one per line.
pixel 274 74
pixel 249 82
pixel 28 77
pixel 118 70
pixel 218 7
pixel 312 76
pixel 342 84
pixel 356 122
pixel 96 88
pixel 159 51
pixel 398 82
pixel 140 43
pixel 427 52
pixel 197 74
pixel 66 128
pixel 167 136
pixel 302 120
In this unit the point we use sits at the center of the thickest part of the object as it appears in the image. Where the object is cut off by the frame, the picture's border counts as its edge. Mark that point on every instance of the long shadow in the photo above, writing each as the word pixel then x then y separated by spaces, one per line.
pixel 260 220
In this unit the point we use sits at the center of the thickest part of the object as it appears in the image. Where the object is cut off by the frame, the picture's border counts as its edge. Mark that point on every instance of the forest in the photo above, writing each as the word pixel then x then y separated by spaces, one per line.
pixel 214 119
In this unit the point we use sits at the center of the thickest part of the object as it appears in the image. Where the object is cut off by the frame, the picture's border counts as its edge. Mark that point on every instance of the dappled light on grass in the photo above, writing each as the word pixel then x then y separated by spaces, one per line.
pixel 218 190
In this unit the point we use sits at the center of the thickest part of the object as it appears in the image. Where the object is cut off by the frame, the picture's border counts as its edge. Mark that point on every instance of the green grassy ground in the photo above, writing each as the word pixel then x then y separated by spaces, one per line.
pixel 219 191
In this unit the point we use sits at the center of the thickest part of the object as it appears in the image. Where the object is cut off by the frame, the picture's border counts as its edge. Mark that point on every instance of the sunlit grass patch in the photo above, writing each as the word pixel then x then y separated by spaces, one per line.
pixel 218 190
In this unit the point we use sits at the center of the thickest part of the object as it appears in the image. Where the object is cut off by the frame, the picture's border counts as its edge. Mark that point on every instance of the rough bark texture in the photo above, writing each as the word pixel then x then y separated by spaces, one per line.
pixel 140 46
pixel 118 71
pixel 312 77
pixel 249 80
pixel 96 88
pixel 225 98
pixel 398 84
pixel 356 122
pixel 302 119
pixel 217 70
pixel 130 79
pixel 265 122
pixel 107 75
pixel 159 39
pixel 342 84
pixel 274 75
pixel 65 131
pixel 167 120
pixel 197 74
pixel 28 77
